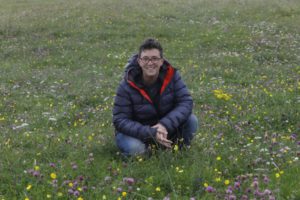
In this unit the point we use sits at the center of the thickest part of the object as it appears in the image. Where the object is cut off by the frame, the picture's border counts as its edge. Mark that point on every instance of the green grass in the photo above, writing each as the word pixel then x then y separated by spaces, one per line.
pixel 61 62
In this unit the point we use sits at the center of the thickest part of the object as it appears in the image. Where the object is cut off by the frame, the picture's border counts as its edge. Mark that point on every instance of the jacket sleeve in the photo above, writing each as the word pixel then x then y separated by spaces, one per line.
pixel 123 117
pixel 183 105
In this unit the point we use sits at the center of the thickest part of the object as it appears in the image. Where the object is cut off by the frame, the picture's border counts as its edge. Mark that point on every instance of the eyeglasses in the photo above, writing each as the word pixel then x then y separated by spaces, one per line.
pixel 147 59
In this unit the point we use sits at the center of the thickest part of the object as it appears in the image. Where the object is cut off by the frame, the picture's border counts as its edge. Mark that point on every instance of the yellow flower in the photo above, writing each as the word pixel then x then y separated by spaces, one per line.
pixel 48 196
pixel 176 147
pixel 205 184
pixel 157 189
pixel 60 194
pixel 124 194
pixel 36 168
pixel 79 198
pixel 53 175
pixel 70 184
pixel 219 158
pixel 226 182
pixel 28 187
pixel 277 175
pixel 26 198
pixel 218 179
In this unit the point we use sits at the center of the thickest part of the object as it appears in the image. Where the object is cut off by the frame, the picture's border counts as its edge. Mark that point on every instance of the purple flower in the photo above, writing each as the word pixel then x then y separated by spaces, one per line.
pixel 52 165
pixel 129 181
pixel 237 185
pixel 119 189
pixel 255 184
pixel 266 179
pixel 210 189
pixel 244 197
pixel 36 173
pixel 232 197
pixel 229 190
pixel 271 198
pixel 70 191
pixel 76 193
pixel 257 193
pixel 74 166
pixel 267 192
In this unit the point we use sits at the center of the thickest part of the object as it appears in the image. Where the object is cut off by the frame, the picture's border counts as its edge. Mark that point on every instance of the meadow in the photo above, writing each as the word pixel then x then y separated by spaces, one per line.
pixel 61 62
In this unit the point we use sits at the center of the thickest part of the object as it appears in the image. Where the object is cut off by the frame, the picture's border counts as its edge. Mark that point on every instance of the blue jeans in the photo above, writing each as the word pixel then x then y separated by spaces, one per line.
pixel 132 146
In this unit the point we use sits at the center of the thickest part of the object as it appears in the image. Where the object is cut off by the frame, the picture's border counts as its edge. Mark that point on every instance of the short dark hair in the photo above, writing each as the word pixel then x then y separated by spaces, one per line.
pixel 151 43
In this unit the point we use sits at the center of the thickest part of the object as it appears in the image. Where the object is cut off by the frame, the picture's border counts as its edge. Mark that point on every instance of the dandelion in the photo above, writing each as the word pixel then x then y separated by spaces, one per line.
pixel 226 182
pixel 53 175
pixel 124 194
pixel 220 94
pixel 59 194
pixel 176 147
pixel 28 187
pixel 218 179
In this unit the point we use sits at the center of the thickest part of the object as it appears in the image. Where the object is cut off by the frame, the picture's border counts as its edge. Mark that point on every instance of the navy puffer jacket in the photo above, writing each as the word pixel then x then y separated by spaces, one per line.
pixel 134 112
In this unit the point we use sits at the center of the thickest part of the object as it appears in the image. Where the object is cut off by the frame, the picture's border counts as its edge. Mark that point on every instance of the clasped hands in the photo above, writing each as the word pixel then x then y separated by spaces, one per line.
pixel 161 135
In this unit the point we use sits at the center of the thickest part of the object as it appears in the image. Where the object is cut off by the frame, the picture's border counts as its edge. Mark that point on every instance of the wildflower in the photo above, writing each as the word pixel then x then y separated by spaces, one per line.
pixel 218 179
pixel 107 179
pixel 74 166
pixel 119 189
pixel 220 94
pixel 79 198
pixel 255 184
pixel 226 182
pixel 76 193
pixel 237 185
pixel 70 184
pixel 244 197
pixel 26 198
pixel 129 181
pixel 266 179
pixel 157 189
pixel 59 194
pixel 48 196
pixel 209 189
pixel 53 175
pixel 229 190
pixel 205 185
pixel 28 187
pixel 36 168
pixel 232 197
pixel 124 194
pixel 219 158
pixel 52 165
pixel 179 170
pixel 176 147
pixel 104 197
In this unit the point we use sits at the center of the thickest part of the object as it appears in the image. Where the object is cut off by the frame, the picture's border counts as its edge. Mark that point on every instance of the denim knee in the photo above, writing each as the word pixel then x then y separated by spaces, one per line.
pixel 129 145
pixel 189 129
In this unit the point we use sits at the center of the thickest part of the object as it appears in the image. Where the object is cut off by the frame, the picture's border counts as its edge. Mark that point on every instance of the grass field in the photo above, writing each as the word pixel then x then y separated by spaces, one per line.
pixel 60 64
